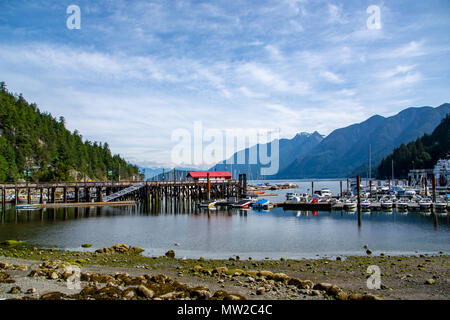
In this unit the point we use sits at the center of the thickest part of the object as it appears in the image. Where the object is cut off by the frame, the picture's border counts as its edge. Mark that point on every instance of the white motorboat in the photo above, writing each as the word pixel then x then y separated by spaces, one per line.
pixel 440 205
pixel 243 204
pixel 365 205
pixel 386 203
pixel 350 204
pixel 402 204
pixel 425 204
pixel 324 192
pixel 290 195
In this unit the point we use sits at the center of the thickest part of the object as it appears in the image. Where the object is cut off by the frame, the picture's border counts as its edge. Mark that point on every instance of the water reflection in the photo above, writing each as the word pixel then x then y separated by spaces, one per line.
pixel 159 223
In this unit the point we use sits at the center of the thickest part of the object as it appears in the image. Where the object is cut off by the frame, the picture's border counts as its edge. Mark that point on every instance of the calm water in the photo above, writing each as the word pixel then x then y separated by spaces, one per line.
pixel 221 234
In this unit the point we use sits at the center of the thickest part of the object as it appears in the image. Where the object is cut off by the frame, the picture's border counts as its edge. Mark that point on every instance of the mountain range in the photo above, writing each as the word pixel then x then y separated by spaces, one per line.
pixel 345 151
pixel 289 150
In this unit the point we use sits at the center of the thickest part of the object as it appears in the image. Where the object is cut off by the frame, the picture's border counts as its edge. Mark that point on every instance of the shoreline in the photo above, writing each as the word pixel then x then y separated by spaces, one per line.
pixel 419 276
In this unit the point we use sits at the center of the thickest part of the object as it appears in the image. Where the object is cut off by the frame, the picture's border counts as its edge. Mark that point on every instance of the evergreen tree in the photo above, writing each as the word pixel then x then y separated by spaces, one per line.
pixel 420 154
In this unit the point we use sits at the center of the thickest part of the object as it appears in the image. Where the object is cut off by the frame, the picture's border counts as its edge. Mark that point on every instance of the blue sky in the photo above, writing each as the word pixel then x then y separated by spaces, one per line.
pixel 138 70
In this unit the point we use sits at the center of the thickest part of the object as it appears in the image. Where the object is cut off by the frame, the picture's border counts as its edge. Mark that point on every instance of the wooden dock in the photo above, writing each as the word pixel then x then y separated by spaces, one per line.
pixel 88 204
pixel 92 193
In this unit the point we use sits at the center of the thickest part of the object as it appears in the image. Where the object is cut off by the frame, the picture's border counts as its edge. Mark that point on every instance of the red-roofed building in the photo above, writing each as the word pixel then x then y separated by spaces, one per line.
pixel 213 175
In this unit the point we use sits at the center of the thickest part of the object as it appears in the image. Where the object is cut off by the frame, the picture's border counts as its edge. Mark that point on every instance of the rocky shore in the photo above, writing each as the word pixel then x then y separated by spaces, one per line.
pixel 120 272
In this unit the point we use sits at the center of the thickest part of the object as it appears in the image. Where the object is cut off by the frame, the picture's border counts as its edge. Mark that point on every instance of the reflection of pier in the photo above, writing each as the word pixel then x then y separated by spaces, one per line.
pixel 99 192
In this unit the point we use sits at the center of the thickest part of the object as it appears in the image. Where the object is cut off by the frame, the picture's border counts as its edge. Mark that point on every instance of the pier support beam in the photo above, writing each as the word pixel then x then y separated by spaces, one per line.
pixel 209 186
pixel 358 187
pixel 433 184
pixel 100 194
pixel 3 199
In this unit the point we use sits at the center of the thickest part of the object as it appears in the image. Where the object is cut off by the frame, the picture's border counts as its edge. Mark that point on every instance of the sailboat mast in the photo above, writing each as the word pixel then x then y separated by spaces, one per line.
pixel 393 181
pixel 370 162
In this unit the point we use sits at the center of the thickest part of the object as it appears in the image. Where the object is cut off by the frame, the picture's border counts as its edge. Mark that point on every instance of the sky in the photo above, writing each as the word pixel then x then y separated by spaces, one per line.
pixel 135 72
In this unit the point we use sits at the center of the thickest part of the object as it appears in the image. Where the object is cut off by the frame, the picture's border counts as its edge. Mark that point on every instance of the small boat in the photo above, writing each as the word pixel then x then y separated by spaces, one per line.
pixel 243 204
pixel 261 204
pixel 208 204
pixel 440 205
pixel 28 207
pixel 290 195
pixel 403 204
pixel 413 206
pixel 375 206
pixel 365 205
pixel 410 193
pixel 23 198
pixel 349 204
pixel 386 203
pixel 425 204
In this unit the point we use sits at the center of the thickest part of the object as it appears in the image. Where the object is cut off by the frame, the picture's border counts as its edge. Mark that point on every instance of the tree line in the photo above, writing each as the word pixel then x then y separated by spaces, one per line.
pixel 420 154
pixel 35 146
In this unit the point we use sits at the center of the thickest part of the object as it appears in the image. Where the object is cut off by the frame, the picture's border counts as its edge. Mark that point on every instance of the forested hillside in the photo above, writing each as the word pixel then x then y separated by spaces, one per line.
pixel 34 146
pixel 420 154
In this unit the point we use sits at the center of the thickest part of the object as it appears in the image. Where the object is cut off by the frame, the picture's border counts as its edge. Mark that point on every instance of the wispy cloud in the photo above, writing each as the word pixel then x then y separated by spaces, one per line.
pixel 137 70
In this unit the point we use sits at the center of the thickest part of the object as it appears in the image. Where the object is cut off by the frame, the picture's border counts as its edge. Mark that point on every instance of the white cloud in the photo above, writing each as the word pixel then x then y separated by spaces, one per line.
pixel 331 77
pixel 335 14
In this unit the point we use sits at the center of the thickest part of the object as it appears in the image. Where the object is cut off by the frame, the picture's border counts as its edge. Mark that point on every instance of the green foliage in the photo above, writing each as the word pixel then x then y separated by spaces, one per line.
pixel 420 154
pixel 35 146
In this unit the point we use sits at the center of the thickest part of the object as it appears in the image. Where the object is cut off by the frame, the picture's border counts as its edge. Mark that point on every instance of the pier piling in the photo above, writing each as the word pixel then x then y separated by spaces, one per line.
pixel 433 184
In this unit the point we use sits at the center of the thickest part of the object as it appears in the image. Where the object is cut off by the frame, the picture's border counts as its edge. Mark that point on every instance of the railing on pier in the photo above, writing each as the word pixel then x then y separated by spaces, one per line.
pixel 123 192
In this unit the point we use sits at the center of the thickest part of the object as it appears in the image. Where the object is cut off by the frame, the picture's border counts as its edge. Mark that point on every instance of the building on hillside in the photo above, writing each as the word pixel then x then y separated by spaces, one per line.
pixel 442 172
pixel 214 176
pixel 417 176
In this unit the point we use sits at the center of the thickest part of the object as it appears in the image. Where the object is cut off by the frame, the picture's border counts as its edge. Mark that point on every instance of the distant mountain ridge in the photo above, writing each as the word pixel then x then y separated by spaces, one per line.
pixel 345 151
pixel 289 149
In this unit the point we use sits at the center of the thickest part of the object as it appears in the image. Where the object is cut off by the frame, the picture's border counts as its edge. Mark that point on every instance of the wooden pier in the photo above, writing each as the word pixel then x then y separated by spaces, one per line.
pixel 93 192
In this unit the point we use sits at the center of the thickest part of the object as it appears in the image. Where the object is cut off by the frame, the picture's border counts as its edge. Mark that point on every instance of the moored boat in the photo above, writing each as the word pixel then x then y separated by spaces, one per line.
pixel 402 204
pixel 28 207
pixel 386 204
pixel 425 204
pixel 243 204
pixel 208 204
pixel 349 204
pixel 261 204
pixel 290 195
pixel 365 205
pixel 440 205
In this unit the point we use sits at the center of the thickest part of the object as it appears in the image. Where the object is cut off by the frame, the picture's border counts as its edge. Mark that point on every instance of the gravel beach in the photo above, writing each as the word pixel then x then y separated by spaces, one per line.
pixel 32 273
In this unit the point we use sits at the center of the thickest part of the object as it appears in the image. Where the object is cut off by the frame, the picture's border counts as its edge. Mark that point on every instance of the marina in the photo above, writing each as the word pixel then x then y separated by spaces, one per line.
pixel 226 231
pixel 245 223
